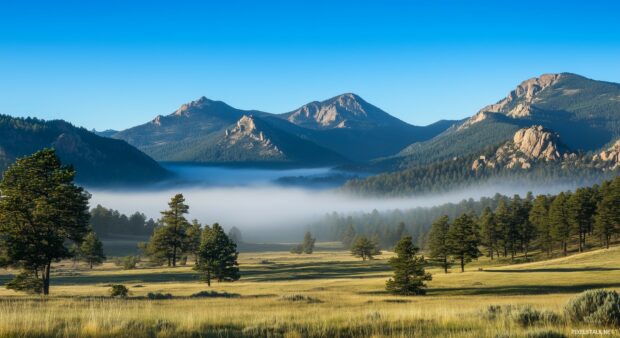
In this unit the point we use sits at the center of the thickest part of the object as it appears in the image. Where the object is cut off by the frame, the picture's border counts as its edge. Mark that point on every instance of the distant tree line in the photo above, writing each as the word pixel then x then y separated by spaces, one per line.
pixel 587 217
pixel 106 222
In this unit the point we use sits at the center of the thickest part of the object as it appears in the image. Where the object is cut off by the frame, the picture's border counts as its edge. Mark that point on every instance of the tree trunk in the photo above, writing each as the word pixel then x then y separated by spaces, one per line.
pixel 491 253
pixel 445 264
pixel 46 279
pixel 580 242
pixel 174 256
pixel 462 264
pixel 565 248
pixel 208 278
pixel 91 265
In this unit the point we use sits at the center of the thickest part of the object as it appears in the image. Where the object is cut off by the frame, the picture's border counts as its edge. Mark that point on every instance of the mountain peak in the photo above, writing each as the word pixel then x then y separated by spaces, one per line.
pixel 197 104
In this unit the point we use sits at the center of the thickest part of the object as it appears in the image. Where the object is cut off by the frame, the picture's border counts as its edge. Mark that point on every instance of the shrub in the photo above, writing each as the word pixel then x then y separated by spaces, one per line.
pixel 158 295
pixel 127 262
pixel 526 316
pixel 300 298
pixel 598 307
pixel 297 249
pixel 26 282
pixel 214 294
pixel 119 290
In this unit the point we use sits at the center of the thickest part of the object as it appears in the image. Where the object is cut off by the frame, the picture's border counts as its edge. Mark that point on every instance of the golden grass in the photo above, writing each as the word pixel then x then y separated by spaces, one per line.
pixel 350 294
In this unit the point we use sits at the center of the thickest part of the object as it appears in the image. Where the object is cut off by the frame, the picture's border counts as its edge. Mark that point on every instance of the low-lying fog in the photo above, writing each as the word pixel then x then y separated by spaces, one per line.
pixel 252 199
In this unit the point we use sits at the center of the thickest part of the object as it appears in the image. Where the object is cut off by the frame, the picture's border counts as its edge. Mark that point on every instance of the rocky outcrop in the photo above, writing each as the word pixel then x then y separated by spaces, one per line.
pixel 247 135
pixel 529 145
pixel 518 103
pixel 334 113
pixel 608 159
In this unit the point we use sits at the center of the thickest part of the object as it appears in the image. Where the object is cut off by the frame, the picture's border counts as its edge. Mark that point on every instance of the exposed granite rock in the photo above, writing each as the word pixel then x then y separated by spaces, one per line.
pixel 610 158
pixel 247 135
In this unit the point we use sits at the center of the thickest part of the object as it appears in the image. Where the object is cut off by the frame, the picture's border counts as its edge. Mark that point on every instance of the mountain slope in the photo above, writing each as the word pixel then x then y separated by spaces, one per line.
pixel 98 160
pixel 343 128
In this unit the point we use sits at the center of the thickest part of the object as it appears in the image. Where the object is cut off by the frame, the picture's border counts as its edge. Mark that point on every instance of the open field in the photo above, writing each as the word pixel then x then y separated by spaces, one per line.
pixel 343 296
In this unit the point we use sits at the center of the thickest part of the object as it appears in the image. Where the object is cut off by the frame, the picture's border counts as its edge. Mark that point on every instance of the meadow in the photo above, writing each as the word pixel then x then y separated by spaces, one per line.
pixel 326 294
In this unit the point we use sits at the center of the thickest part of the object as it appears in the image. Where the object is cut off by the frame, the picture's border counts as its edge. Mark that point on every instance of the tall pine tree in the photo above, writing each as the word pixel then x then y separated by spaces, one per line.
pixel 438 242
pixel 409 274
pixel 463 240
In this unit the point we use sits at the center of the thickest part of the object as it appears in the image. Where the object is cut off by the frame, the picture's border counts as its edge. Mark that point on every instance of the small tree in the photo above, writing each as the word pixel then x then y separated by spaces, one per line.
pixel 308 243
pixel 175 226
pixel 192 245
pixel 409 274
pixel 91 250
pixel 438 242
pixel 365 248
pixel 463 240
pixel 559 220
pixel 218 255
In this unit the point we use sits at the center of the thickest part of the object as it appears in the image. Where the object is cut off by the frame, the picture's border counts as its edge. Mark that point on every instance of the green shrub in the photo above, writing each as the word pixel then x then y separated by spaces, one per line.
pixel 127 262
pixel 119 290
pixel 214 294
pixel 26 282
pixel 158 295
pixel 526 316
pixel 300 298
pixel 598 307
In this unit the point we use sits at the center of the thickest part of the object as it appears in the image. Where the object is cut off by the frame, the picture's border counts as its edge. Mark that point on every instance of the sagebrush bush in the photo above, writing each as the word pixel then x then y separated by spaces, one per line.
pixel 119 290
pixel 300 298
pixel 526 316
pixel 127 262
pixel 214 294
pixel 598 307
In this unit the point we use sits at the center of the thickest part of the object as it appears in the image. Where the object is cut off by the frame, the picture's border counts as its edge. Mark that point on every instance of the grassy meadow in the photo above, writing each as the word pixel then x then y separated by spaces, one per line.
pixel 326 294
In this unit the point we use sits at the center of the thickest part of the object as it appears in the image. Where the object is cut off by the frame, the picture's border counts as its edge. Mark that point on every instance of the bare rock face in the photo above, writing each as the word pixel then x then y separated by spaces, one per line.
pixel 537 143
pixel 528 145
pixel 610 158
pixel 247 135
pixel 525 94
pixel 187 108
pixel 334 113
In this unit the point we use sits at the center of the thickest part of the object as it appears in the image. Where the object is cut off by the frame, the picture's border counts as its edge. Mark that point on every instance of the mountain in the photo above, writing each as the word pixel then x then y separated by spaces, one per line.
pixel 97 160
pixel 339 130
pixel 583 111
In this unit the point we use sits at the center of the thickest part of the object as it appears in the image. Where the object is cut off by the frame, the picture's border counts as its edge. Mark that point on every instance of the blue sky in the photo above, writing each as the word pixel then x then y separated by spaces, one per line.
pixel 115 64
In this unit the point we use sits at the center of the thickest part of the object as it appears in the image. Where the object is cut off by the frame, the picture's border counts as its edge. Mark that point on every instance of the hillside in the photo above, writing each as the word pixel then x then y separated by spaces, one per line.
pixel 345 128
pixel 98 160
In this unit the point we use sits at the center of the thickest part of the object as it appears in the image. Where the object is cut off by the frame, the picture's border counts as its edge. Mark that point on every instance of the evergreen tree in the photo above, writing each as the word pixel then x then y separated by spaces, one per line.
pixel 607 219
pixel 526 231
pixel 399 233
pixel 365 248
pixel 158 248
pixel 438 242
pixel 488 231
pixel 308 243
pixel 218 255
pixel 235 235
pixel 175 226
pixel 349 236
pixel 559 221
pixel 409 274
pixel 539 217
pixel 41 211
pixel 581 209
pixel 463 240
pixel 192 244
pixel 504 221
pixel 91 250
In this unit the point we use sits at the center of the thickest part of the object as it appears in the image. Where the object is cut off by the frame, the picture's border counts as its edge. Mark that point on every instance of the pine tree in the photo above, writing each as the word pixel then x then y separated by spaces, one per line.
pixel 463 240
pixel 91 250
pixel 505 224
pixel 41 211
pixel 526 231
pixel 192 242
pixel 349 236
pixel 176 226
pixel 488 231
pixel 308 243
pixel 559 221
pixel 438 242
pixel 364 248
pixel 581 210
pixel 539 217
pixel 409 274
pixel 218 255
pixel 607 219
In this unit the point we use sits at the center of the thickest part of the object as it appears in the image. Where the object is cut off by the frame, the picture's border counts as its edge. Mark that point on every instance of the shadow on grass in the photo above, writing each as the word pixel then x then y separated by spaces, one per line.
pixel 325 270
pixel 584 269
pixel 514 290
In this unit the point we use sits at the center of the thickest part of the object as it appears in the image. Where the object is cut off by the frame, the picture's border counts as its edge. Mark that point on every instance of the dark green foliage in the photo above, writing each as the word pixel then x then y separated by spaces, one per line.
pixel 119 290
pixel 463 240
pixel 595 307
pixel 192 245
pixel 306 246
pixel 41 210
pixel 97 160
pixel 364 248
pixel 158 295
pixel 438 242
pixel 300 298
pixel 408 266
pixel 26 281
pixel 489 232
pixel 106 222
pixel 214 294
pixel 559 220
pixel 539 218
pixel 170 240
pixel 91 250
pixel 607 218
pixel 581 208
pixel 218 256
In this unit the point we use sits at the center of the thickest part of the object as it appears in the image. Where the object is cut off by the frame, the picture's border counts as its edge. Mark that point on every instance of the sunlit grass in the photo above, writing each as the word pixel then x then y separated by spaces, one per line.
pixel 350 295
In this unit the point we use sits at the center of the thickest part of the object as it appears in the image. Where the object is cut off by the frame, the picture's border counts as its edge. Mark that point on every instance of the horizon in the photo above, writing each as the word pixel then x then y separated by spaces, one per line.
pixel 117 65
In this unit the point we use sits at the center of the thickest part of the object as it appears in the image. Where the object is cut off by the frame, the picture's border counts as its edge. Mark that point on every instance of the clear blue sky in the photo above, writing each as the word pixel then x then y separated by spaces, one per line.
pixel 116 64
